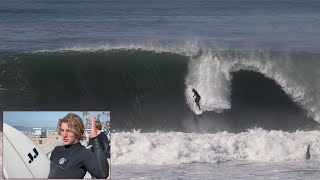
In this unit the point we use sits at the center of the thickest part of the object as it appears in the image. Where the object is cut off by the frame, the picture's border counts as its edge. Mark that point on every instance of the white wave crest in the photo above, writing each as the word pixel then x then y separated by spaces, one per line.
pixel 177 148
pixel 187 48
pixel 210 75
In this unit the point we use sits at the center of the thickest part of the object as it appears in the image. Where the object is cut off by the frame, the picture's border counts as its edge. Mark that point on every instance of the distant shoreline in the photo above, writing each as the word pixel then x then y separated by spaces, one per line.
pixel 30 129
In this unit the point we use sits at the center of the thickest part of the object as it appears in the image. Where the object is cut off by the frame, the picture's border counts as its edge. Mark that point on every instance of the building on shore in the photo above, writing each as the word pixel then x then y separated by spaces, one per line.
pixel 40 132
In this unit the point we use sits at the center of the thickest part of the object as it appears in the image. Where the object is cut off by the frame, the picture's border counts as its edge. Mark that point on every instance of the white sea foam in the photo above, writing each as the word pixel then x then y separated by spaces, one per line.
pixel 178 148
pixel 210 77
pixel 188 48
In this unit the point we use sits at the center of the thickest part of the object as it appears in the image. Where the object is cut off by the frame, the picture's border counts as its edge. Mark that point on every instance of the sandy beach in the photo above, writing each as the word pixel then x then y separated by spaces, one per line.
pixel 47 144
pixel 51 137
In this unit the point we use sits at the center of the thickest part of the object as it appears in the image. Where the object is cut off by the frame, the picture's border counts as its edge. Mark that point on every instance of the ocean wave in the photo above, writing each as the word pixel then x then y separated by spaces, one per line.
pixel 178 148
pixel 147 88
pixel 211 75
pixel 187 48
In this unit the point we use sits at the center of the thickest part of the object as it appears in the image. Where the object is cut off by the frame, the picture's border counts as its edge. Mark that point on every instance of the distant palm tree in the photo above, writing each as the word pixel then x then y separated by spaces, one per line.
pixel 87 123
pixel 104 114
pixel 84 114
pixel 84 118
pixel 98 117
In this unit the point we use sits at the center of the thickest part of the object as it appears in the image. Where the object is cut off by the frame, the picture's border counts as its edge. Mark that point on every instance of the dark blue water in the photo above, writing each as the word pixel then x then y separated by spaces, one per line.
pixel 256 62
pixel 34 25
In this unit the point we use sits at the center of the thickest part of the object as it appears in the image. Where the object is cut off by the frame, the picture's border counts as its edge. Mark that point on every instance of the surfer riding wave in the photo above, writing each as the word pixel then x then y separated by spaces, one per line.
pixel 197 97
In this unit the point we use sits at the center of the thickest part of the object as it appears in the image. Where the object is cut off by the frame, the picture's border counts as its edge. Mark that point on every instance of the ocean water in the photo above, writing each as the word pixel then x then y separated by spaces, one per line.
pixel 254 63
pixel 1 173
pixel 225 170
pixel 254 154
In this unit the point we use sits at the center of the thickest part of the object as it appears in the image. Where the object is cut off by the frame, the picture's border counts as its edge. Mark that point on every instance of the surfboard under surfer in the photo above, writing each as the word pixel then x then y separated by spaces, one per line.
pixel 197 97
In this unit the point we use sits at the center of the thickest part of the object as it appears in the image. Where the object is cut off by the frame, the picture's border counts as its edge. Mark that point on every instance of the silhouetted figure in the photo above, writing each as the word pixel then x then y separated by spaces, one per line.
pixel 308 156
pixel 198 97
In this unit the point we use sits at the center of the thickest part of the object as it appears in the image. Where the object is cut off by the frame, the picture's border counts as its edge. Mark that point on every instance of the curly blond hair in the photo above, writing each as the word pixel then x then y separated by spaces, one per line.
pixel 75 125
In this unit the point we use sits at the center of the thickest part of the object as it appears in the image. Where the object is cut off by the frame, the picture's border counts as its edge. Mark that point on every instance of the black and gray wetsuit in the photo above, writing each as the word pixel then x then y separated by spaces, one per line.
pixel 198 97
pixel 73 161
pixel 103 139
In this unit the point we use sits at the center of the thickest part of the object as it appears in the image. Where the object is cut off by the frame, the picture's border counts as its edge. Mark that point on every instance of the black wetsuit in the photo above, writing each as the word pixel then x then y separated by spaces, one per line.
pixel 308 156
pixel 73 161
pixel 103 139
pixel 198 97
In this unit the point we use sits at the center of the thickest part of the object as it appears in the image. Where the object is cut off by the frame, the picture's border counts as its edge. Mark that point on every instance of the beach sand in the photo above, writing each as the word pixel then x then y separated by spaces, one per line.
pixel 51 137
pixel 47 144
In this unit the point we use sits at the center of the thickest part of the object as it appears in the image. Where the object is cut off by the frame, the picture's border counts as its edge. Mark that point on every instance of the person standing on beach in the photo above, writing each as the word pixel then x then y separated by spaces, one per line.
pixel 72 160
pixel 103 139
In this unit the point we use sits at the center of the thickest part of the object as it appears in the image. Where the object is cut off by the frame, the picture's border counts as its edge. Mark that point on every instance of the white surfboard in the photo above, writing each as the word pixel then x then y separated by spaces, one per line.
pixel 22 158
pixel 196 109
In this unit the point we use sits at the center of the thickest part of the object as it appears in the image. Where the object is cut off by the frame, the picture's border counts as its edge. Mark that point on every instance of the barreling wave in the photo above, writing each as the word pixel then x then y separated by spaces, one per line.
pixel 145 86
pixel 211 75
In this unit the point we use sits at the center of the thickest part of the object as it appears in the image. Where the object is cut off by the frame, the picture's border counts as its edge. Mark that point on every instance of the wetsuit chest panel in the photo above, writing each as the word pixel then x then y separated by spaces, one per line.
pixel 67 162
pixel 76 160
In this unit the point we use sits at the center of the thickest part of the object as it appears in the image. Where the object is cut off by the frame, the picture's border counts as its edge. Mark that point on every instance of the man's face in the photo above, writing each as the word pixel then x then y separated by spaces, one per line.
pixel 67 134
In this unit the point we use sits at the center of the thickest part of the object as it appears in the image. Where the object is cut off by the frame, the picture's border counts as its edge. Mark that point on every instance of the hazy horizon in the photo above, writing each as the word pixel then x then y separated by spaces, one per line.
pixel 46 119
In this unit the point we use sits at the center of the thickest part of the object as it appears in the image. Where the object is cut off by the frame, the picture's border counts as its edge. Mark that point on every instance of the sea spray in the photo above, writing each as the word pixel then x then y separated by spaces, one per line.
pixel 177 148
pixel 210 74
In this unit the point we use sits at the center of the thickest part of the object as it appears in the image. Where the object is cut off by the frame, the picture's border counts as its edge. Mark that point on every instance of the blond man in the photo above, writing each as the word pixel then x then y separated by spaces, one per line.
pixel 72 160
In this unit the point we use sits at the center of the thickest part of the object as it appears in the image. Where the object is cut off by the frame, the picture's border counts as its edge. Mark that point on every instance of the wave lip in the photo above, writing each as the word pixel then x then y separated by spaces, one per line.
pixel 211 74
pixel 187 48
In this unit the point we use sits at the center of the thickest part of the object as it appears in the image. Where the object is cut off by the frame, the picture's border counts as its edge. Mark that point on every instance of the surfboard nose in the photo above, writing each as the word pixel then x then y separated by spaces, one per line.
pixel 22 158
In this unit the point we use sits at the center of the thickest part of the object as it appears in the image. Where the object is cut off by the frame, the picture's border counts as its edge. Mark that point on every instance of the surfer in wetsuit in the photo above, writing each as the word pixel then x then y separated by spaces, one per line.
pixel 198 97
pixel 103 139
pixel 72 160
pixel 308 156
